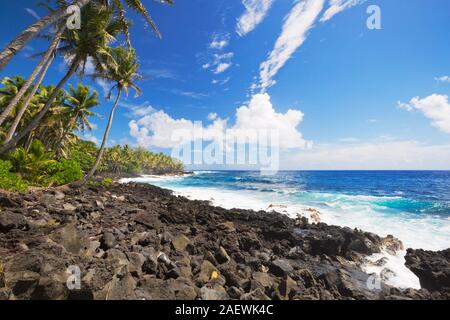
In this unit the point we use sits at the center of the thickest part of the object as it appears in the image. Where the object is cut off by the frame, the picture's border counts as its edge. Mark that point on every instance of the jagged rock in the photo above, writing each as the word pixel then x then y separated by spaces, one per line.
pixel 264 279
pixel 392 245
pixel 281 267
pixel 9 221
pixel 149 220
pixel 69 207
pixel 222 256
pixel 71 239
pixel 206 271
pixel 183 289
pixel 180 243
pixel 108 241
pixel 432 268
pixel 117 258
pixel 59 195
pixel 287 287
pixel 121 287
pixel 227 226
pixel 156 289
pixel 257 294
pixel 22 283
pixel 307 277
pixel 99 204
pixel 136 261
pixel 184 267
pixel 215 293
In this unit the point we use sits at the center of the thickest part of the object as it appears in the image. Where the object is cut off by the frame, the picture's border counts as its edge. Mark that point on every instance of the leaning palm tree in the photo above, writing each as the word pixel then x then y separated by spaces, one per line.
pixel 28 101
pixel 44 63
pixel 33 30
pixel 123 74
pixel 99 28
pixel 60 14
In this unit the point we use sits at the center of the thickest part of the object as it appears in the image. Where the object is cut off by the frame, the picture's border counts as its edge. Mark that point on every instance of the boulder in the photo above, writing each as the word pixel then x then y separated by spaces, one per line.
pixel 217 292
pixel 281 267
pixel 227 226
pixel 108 241
pixel 9 221
pixel 206 271
pixel 264 279
pixel 71 239
pixel 432 268
pixel 222 256
pixel 180 243
pixel 69 207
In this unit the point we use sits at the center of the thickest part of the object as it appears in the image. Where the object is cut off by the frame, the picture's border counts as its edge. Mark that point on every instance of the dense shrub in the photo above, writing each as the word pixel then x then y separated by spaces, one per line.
pixel 34 165
pixel 65 171
pixel 9 180
pixel 84 153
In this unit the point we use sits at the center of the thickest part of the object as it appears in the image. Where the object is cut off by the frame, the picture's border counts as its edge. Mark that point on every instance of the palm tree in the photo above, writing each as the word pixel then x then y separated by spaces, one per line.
pixel 60 14
pixel 98 30
pixel 33 30
pixel 123 73
pixel 44 62
pixel 75 117
pixel 26 103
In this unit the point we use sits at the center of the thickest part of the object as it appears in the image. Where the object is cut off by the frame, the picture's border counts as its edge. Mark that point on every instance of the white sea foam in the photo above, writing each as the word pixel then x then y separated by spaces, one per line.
pixel 427 232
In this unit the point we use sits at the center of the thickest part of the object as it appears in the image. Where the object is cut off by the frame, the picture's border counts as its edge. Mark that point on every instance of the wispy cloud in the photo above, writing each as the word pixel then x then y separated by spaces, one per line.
pixel 443 79
pixel 255 12
pixel 337 6
pixel 221 81
pixel 220 62
pixel 33 13
pixel 294 32
pixel 190 94
pixel 221 67
pixel 220 41
pixel 160 74
pixel 137 110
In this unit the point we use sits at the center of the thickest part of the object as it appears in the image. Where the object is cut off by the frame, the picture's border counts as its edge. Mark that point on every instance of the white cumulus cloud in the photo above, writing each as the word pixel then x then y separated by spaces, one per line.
pixel 435 107
pixel 255 12
pixel 294 32
pixel 156 129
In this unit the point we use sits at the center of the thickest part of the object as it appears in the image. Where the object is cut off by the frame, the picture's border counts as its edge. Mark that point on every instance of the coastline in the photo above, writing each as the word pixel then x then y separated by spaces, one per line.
pixel 394 270
pixel 139 241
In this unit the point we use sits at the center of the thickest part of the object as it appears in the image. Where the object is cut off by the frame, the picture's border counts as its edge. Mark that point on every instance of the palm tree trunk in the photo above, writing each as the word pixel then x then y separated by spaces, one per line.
pixel 29 33
pixel 35 122
pixel 24 107
pixel 29 141
pixel 105 138
pixel 14 101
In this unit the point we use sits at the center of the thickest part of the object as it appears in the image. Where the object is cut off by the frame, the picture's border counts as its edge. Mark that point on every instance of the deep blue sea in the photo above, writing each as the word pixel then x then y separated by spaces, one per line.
pixel 412 205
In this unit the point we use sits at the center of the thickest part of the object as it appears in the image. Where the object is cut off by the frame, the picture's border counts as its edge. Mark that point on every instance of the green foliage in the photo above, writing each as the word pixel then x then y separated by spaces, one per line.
pixel 34 165
pixel 123 159
pixel 106 182
pixel 65 171
pixel 38 167
pixel 9 180
pixel 84 153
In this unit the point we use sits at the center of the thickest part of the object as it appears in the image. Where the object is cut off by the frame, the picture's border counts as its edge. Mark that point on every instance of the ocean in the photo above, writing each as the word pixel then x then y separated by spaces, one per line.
pixel 414 206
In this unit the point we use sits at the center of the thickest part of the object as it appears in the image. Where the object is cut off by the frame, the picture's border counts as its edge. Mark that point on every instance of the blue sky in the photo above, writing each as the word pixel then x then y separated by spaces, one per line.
pixel 350 89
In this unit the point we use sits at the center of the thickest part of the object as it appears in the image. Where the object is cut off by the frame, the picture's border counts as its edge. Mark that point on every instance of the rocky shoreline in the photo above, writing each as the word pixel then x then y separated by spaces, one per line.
pixel 138 241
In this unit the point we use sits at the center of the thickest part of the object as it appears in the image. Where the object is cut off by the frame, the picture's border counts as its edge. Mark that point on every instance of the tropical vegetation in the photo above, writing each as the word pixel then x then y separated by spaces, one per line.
pixel 41 125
